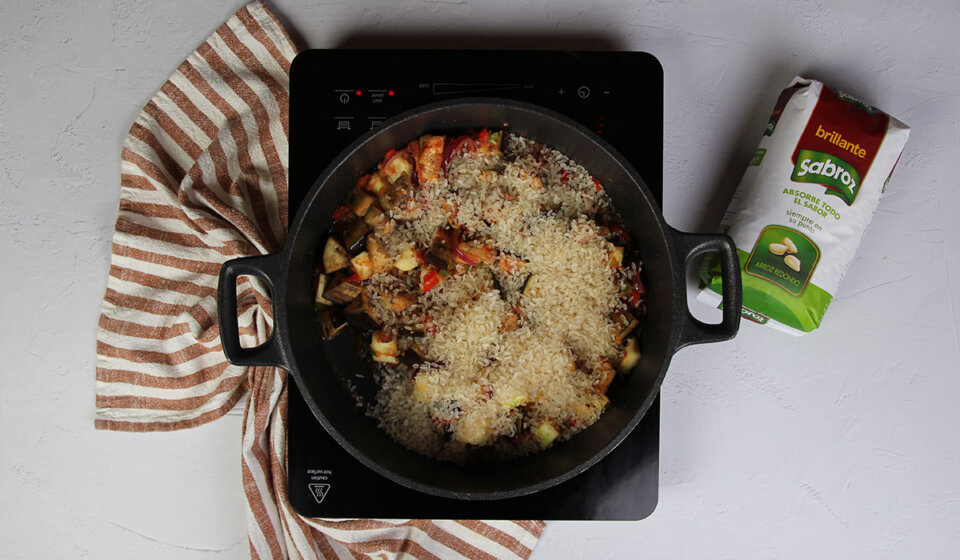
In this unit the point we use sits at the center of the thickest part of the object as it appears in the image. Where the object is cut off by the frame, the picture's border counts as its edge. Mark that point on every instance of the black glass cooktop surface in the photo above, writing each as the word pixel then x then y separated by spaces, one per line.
pixel 337 95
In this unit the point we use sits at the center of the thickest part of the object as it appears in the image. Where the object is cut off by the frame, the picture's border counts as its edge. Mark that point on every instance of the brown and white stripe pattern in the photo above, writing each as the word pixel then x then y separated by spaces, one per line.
pixel 203 180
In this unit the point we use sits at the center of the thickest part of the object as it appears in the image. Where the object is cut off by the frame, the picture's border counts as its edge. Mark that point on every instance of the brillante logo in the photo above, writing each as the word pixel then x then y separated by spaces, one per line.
pixel 840 178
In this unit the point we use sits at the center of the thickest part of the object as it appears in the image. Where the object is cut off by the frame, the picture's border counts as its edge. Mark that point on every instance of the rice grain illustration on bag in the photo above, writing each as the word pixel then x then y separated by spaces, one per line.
pixel 804 202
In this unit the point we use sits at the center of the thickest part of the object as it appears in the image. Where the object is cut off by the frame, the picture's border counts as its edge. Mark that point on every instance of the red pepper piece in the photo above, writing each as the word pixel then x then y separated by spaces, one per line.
pixel 341 212
pixel 429 281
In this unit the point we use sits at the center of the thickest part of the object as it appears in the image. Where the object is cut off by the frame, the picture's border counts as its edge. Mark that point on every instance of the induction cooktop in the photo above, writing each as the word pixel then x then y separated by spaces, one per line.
pixel 336 96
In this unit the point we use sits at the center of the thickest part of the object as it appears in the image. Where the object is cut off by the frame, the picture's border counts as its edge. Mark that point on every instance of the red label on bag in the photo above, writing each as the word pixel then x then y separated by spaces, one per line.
pixel 839 144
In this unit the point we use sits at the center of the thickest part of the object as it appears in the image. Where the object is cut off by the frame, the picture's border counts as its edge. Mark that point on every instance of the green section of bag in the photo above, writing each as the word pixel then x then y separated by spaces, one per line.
pixel 760 296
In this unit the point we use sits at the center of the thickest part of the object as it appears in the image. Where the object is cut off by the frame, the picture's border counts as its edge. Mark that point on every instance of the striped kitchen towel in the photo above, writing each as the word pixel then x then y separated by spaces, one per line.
pixel 203 180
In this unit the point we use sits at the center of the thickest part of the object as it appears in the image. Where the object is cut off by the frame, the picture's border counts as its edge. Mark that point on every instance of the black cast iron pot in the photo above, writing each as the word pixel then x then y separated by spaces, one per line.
pixel 323 369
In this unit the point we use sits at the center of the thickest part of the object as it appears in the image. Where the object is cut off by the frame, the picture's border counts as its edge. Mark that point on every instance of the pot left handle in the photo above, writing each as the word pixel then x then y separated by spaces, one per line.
pixel 270 353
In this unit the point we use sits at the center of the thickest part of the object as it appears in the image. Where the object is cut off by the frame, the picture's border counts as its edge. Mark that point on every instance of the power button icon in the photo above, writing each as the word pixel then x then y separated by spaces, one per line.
pixel 344 98
pixel 583 92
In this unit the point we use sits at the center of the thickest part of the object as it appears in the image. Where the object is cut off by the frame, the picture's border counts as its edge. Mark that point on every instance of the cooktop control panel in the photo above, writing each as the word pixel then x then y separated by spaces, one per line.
pixel 619 95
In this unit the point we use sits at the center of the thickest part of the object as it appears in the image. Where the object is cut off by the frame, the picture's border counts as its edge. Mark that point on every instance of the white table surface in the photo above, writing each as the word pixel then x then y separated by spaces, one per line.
pixel 842 444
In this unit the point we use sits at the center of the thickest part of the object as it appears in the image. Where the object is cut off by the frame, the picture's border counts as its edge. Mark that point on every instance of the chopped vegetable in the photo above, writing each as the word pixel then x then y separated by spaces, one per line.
pixel 626 323
pixel 478 253
pixel 495 138
pixel 379 258
pixel 529 286
pixel 473 429
pixel 331 323
pixel 514 401
pixel 454 244
pixel 399 200
pixel 430 160
pixel 341 213
pixel 511 322
pixel 631 356
pixel 407 260
pixel 637 292
pixel 360 313
pixel 375 217
pixel 616 257
pixel 508 264
pixel 397 302
pixel 335 256
pixel 342 291
pixel 383 347
pixel 397 165
pixel 605 374
pixel 429 279
pixel 546 433
pixel 453 148
pixel 361 203
pixel 421 390
pixel 376 183
pixel 354 229
pixel 591 406
pixel 320 302
pixel 362 265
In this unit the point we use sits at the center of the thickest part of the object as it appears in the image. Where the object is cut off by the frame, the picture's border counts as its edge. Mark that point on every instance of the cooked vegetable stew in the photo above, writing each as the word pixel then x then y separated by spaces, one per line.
pixel 498 292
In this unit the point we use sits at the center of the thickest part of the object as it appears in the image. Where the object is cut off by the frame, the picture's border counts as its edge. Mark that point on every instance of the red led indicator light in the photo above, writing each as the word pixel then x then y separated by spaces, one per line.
pixel 390 93
pixel 358 92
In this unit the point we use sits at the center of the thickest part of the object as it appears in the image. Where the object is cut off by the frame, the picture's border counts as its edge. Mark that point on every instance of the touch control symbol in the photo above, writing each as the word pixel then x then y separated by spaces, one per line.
pixel 344 98
pixel 583 92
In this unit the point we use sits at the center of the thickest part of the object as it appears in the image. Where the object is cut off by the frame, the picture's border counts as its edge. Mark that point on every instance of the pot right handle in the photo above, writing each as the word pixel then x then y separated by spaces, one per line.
pixel 692 330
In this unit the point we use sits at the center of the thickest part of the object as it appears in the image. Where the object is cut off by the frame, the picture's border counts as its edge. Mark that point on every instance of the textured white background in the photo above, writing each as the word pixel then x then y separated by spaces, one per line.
pixel 842 444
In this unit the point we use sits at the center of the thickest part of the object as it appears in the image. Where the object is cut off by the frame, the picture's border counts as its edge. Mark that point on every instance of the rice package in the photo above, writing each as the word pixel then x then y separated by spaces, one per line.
pixel 804 202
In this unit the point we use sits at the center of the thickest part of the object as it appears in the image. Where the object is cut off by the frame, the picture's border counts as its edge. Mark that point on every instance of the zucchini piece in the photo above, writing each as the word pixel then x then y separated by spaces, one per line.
pixel 361 203
pixel 362 265
pixel 335 256
pixel 383 347
pixel 407 260
pixel 375 217
pixel 513 402
pixel 546 433
pixel 376 183
pixel 616 257
pixel 631 356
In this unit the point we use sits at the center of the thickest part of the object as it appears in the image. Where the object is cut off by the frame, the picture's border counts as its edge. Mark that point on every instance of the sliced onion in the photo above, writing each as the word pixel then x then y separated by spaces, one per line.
pixel 452 148
pixel 455 247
